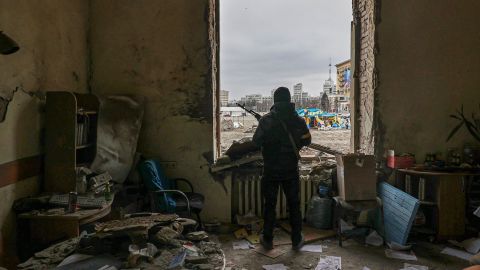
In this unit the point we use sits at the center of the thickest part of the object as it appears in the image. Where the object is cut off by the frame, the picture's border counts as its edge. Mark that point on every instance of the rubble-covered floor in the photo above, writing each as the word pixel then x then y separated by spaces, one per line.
pixel 354 256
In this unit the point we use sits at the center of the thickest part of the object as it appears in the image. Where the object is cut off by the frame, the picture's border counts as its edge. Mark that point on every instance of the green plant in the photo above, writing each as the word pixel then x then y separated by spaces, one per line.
pixel 472 125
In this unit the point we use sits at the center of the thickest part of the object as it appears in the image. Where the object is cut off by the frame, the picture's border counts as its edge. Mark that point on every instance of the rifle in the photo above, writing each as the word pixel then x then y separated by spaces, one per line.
pixel 252 112
pixel 325 149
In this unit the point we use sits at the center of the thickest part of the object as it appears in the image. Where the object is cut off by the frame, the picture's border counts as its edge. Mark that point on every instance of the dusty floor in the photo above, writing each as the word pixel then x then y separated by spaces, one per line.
pixel 336 138
pixel 354 256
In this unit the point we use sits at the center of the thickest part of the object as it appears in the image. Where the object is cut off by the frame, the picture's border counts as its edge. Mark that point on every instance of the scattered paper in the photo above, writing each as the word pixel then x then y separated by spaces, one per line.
pixel 329 263
pixel 397 246
pixel 477 212
pixel 407 266
pixel 401 255
pixel 472 245
pixel 365 268
pixel 457 253
pixel 374 239
pixel 312 248
pixel 344 226
pixel 279 266
pixel 242 244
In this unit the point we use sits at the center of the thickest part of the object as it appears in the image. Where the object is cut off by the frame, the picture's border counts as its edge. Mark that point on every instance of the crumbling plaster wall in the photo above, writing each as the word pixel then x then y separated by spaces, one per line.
pixel 52 37
pixel 161 50
pixel 428 67
pixel 365 19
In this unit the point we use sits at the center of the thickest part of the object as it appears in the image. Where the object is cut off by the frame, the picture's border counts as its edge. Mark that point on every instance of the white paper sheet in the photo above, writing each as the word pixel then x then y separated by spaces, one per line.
pixel 477 212
pixel 344 226
pixel 472 245
pixel 401 255
pixel 374 239
pixel 457 253
pixel 329 263
pixel 312 248
pixel 279 266
pixel 242 244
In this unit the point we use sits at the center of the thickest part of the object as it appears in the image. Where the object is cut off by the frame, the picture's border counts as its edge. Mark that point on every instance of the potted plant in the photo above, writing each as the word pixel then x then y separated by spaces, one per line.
pixel 472 124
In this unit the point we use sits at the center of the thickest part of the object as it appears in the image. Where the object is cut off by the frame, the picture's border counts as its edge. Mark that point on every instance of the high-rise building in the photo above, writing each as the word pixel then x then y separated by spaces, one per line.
pixel 297 92
pixel 329 85
pixel 224 98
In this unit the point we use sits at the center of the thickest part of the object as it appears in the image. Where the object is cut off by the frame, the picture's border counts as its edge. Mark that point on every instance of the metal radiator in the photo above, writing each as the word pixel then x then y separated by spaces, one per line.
pixel 247 194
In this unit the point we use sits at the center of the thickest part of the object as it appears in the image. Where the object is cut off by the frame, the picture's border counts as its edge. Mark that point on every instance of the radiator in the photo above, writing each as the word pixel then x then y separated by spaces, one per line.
pixel 247 195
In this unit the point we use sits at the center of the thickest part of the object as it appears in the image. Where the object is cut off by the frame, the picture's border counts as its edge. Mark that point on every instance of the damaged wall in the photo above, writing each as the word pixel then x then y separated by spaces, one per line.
pixel 52 39
pixel 428 67
pixel 365 18
pixel 161 50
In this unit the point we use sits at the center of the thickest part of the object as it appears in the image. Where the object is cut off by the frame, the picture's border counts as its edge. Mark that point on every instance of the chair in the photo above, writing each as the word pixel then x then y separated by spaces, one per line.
pixel 165 196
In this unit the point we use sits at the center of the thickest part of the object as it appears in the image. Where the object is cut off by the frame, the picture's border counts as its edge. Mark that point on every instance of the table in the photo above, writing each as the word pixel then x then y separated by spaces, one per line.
pixel 45 229
pixel 444 192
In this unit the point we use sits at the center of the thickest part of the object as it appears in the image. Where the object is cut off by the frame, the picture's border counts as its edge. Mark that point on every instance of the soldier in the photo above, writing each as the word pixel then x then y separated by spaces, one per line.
pixel 280 134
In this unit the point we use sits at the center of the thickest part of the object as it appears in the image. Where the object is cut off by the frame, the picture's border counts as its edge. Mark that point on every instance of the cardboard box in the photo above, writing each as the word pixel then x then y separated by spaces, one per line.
pixel 356 177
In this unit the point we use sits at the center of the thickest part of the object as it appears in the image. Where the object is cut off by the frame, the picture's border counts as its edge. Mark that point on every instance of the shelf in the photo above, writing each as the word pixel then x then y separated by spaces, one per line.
pixel 83 146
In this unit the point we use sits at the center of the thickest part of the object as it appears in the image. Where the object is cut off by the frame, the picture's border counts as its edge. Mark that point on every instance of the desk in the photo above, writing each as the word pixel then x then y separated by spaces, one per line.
pixel 444 192
pixel 45 229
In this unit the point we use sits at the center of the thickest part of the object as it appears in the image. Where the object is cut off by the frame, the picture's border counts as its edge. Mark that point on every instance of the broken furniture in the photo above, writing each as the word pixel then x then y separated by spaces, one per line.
pixel 70 141
pixel 353 209
pixel 441 196
pixel 47 227
pixel 165 196
pixel 399 212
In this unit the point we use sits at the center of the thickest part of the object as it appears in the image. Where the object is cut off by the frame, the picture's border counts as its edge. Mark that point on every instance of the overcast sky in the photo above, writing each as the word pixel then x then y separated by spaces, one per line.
pixel 269 43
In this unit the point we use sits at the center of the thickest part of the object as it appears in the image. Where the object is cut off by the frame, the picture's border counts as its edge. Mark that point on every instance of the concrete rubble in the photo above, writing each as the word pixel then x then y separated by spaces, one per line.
pixel 154 241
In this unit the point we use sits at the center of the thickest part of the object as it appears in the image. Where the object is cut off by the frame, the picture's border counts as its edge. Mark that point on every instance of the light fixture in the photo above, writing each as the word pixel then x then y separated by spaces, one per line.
pixel 7 45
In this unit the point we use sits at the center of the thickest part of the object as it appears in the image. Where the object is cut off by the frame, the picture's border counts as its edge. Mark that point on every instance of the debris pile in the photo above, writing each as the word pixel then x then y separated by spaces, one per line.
pixel 143 241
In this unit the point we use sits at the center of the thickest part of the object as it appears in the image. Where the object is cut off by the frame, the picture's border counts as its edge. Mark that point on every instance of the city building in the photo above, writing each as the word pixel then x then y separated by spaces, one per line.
pixel 343 86
pixel 297 91
pixel 343 77
pixel 224 98
pixel 329 85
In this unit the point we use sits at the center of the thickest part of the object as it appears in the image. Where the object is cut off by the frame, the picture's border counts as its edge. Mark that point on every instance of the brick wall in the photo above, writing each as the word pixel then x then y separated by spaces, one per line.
pixel 365 21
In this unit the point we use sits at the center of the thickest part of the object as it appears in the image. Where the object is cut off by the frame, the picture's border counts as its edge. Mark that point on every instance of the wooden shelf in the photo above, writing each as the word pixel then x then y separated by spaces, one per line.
pixel 63 114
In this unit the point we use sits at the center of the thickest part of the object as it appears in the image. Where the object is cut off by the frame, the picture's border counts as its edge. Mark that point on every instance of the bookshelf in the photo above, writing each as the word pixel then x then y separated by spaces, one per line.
pixel 70 138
